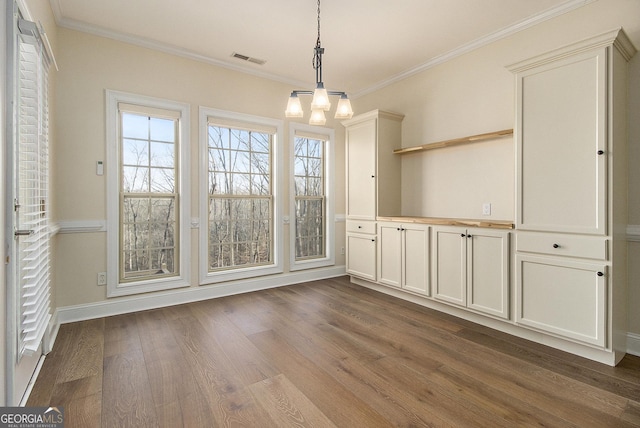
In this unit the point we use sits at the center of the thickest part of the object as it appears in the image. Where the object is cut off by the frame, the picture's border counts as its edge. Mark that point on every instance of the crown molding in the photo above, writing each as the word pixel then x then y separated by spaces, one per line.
pixel 440 59
pixel 75 25
pixel 478 43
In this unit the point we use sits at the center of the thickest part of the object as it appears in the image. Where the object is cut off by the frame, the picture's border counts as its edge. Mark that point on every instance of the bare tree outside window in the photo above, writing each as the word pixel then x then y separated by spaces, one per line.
pixel 310 205
pixel 240 223
pixel 148 197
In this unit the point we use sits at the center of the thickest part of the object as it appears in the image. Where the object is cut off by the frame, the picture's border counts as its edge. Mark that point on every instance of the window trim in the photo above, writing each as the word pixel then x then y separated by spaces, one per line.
pixel 114 287
pixel 329 171
pixel 207 277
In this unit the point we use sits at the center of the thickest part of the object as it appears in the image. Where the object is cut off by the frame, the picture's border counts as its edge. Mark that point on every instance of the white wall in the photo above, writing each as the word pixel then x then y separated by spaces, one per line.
pixel 474 94
pixel 88 66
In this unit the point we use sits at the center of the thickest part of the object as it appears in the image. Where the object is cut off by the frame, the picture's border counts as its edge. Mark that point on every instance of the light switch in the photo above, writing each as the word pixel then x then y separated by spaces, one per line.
pixel 486 209
pixel 99 168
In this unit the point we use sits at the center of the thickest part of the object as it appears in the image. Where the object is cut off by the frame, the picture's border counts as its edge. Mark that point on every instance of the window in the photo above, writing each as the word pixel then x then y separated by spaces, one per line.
pixel 240 237
pixel 30 189
pixel 147 236
pixel 312 227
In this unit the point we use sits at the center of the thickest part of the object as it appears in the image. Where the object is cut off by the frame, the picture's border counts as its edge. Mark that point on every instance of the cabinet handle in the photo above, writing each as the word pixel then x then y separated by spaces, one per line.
pixel 556 246
pixel 600 273
pixel 600 152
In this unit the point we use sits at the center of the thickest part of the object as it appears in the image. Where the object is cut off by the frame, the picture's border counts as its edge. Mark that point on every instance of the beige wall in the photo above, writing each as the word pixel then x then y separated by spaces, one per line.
pixel 473 94
pixel 88 66
pixel 468 95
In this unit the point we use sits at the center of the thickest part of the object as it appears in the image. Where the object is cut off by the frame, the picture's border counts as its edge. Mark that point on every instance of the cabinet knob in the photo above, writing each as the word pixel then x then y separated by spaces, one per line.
pixel 373 240
pixel 373 176
pixel 600 273
pixel 463 235
pixel 469 236
pixel 600 152
pixel 359 227
pixel 397 228
pixel 556 246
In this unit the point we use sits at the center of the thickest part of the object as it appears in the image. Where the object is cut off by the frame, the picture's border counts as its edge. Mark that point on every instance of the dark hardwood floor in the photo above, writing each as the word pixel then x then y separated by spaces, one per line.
pixel 322 354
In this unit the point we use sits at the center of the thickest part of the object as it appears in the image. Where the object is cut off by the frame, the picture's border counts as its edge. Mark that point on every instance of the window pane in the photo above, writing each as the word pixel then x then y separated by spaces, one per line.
pixel 163 154
pixel 162 129
pixel 300 167
pixel 135 179
pixel 135 209
pixel 240 162
pixel 135 152
pixel 261 142
pixel 163 210
pixel 162 180
pixel 135 126
pixel 260 185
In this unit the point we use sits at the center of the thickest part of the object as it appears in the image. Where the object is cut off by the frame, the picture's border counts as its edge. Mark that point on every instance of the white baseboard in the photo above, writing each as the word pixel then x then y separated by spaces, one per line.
pixel 633 344
pixel 128 304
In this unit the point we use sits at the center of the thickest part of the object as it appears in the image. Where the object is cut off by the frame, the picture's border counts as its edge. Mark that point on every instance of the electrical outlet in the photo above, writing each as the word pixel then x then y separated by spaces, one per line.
pixel 486 209
pixel 102 278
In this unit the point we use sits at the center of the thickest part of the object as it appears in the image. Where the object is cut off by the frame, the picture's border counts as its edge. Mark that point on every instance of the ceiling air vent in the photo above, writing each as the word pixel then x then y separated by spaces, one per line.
pixel 248 58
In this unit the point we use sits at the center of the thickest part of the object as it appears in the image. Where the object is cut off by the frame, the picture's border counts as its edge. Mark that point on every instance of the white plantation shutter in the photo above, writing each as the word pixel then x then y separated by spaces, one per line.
pixel 32 198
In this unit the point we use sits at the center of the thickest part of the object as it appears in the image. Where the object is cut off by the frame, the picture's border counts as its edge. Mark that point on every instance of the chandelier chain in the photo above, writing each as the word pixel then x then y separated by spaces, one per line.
pixel 317 58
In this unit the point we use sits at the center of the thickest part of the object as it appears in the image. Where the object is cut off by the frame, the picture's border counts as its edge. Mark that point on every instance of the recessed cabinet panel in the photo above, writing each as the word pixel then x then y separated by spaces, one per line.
pixel 563 297
pixel 416 259
pixel 562 146
pixel 361 256
pixel 390 254
pixel 488 272
pixel 450 265
pixel 361 171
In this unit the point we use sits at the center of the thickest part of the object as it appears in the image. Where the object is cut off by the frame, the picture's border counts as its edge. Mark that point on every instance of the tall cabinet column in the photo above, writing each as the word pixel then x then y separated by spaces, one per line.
pixel 571 192
pixel 373 184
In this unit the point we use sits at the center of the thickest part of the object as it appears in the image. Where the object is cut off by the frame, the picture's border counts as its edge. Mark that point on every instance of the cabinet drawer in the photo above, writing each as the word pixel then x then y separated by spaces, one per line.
pixel 368 227
pixel 588 247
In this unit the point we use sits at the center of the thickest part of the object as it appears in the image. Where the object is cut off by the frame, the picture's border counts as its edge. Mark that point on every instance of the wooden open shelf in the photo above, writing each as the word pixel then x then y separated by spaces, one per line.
pixel 455 142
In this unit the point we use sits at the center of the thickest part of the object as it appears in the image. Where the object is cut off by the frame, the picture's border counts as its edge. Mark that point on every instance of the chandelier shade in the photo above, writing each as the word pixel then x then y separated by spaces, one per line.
pixel 320 101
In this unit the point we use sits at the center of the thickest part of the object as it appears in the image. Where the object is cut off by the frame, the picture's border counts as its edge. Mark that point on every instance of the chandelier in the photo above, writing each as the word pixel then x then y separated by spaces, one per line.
pixel 320 101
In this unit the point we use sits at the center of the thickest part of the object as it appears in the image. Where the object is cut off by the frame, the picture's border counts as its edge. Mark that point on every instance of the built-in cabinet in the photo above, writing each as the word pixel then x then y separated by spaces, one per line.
pixel 471 269
pixel 560 277
pixel 403 256
pixel 571 192
pixel 373 185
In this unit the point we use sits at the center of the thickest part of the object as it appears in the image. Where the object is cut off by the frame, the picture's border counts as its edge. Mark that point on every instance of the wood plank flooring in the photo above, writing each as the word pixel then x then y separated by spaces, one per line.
pixel 322 354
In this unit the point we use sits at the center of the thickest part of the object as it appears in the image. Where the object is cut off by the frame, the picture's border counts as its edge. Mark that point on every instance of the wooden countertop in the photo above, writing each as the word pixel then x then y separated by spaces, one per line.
pixel 495 224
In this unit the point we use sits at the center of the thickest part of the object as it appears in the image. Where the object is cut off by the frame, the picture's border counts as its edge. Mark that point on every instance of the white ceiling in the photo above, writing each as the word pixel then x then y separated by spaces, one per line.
pixel 368 43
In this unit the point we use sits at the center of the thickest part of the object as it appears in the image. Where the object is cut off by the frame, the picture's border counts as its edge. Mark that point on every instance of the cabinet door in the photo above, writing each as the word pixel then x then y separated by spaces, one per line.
pixel 562 126
pixel 390 254
pixel 563 297
pixel 449 266
pixel 361 256
pixel 488 272
pixel 415 254
pixel 361 170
